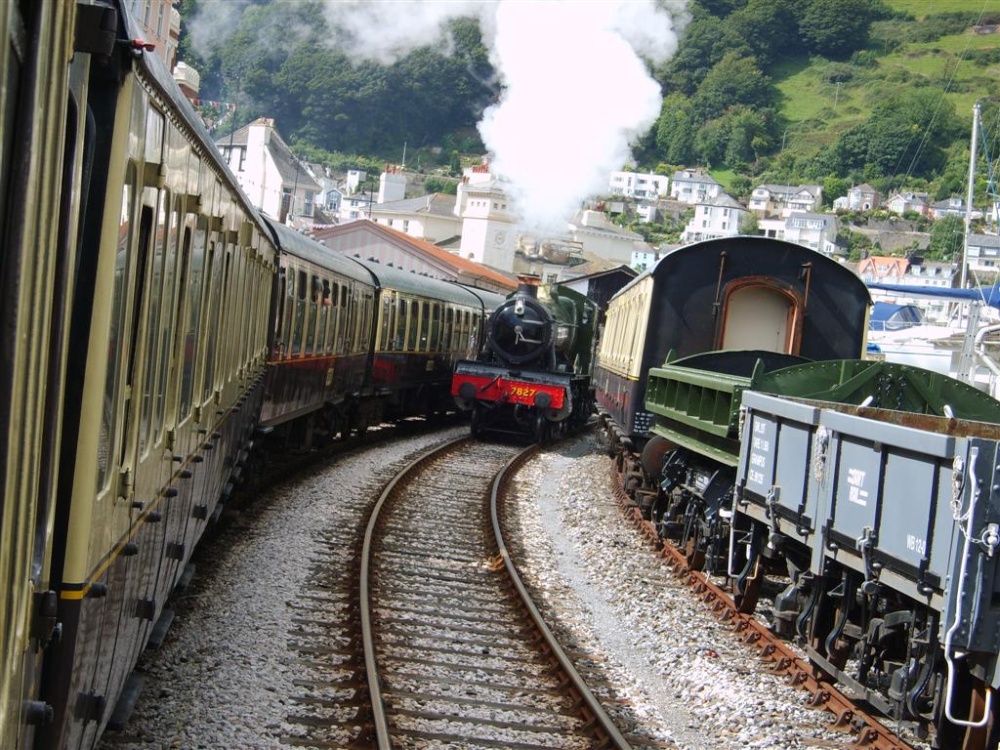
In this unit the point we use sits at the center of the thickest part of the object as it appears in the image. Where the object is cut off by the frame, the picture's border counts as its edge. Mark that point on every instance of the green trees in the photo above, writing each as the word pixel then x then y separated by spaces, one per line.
pixel 904 135
pixel 281 64
pixel 947 238
pixel 834 28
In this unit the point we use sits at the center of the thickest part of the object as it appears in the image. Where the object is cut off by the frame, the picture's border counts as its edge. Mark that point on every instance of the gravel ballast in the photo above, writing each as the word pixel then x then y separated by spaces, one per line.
pixel 224 678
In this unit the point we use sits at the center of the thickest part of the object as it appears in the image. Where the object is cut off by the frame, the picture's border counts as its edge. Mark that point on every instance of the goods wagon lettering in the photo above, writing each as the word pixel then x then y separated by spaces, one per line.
pixel 756 459
pixel 916 544
pixel 760 444
pixel 755 477
pixel 856 493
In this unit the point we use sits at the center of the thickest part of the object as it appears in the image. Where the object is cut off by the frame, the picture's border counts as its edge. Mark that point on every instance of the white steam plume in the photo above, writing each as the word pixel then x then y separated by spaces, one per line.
pixel 576 93
pixel 575 89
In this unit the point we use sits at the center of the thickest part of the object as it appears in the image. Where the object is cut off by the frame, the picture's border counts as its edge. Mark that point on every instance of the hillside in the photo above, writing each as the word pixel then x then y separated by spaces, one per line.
pixel 821 99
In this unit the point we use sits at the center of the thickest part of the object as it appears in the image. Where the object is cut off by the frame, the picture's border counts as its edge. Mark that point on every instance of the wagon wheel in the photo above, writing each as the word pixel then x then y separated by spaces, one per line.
pixel 747 590
pixel 693 553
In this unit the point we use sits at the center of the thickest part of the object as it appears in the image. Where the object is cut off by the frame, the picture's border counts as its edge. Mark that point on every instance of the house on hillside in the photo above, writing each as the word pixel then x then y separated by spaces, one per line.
pixel 639 185
pixel 859 198
pixel 818 231
pixel 693 186
pixel 909 202
pixel 769 201
pixel 982 252
pixel 717 217
pixel 273 179
pixel 370 240
pixel 599 236
pixel 430 217
pixel 910 272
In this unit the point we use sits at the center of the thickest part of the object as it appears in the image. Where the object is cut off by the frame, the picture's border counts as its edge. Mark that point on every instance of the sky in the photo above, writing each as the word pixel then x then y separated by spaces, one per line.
pixel 575 90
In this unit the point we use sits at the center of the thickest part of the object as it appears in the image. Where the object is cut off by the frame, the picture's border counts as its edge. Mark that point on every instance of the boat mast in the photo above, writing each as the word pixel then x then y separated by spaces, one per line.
pixel 974 147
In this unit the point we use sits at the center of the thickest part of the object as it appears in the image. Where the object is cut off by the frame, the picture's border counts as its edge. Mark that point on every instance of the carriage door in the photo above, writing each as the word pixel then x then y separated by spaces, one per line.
pixel 759 317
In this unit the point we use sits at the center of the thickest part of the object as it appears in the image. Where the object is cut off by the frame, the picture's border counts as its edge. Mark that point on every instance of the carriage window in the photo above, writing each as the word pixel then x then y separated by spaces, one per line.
pixel 213 281
pixel 435 327
pixel 153 322
pixel 401 317
pixel 223 281
pixel 315 292
pixel 154 137
pixel 413 328
pixel 109 410
pixel 166 236
pixel 194 287
pixel 288 307
pixel 322 316
pixel 385 329
pixel 300 313
pixel 449 319
pixel 335 320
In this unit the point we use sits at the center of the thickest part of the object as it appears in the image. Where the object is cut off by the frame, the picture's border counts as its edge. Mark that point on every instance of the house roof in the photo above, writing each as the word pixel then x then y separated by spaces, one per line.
pixel 983 240
pixel 462 268
pixel 882 265
pixel 724 201
pixel 693 175
pixel 434 204
pixel 788 192
pixel 291 169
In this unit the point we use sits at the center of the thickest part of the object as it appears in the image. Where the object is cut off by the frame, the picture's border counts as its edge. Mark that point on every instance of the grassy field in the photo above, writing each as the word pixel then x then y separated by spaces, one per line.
pixel 921 8
pixel 818 108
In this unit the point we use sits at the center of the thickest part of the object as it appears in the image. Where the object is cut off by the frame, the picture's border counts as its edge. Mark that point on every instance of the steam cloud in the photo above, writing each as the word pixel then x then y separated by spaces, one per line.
pixel 575 88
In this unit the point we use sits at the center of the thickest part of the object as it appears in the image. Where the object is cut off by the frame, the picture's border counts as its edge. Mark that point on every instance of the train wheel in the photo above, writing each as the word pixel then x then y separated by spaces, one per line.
pixel 693 553
pixel 747 595
pixel 541 429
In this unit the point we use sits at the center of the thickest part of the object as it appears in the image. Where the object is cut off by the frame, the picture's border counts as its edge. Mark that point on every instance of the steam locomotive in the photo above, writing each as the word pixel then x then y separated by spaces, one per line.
pixel 759 443
pixel 532 375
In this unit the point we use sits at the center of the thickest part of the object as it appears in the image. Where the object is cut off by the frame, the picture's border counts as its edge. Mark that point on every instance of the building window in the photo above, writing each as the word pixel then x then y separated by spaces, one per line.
pixel 243 160
pixel 406 226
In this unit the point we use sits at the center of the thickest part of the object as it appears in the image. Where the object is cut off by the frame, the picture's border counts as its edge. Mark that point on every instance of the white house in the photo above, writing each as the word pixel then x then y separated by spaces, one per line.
pixel 914 272
pixel 639 184
pixel 719 217
pixel 274 180
pixel 601 237
pixel 431 217
pixel 859 198
pixel 693 186
pixel 818 231
pixel 782 200
pixel 983 252
pixel 909 202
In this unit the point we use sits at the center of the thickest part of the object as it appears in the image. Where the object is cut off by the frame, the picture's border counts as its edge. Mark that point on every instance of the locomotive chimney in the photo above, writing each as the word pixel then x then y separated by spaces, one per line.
pixel 528 285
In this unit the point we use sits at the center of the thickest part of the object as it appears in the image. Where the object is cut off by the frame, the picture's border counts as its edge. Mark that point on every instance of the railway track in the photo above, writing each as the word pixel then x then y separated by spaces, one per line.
pixel 866 730
pixel 438 644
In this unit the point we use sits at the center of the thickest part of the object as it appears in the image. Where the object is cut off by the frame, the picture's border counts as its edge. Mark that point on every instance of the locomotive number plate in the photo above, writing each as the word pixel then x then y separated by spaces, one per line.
pixel 521 391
